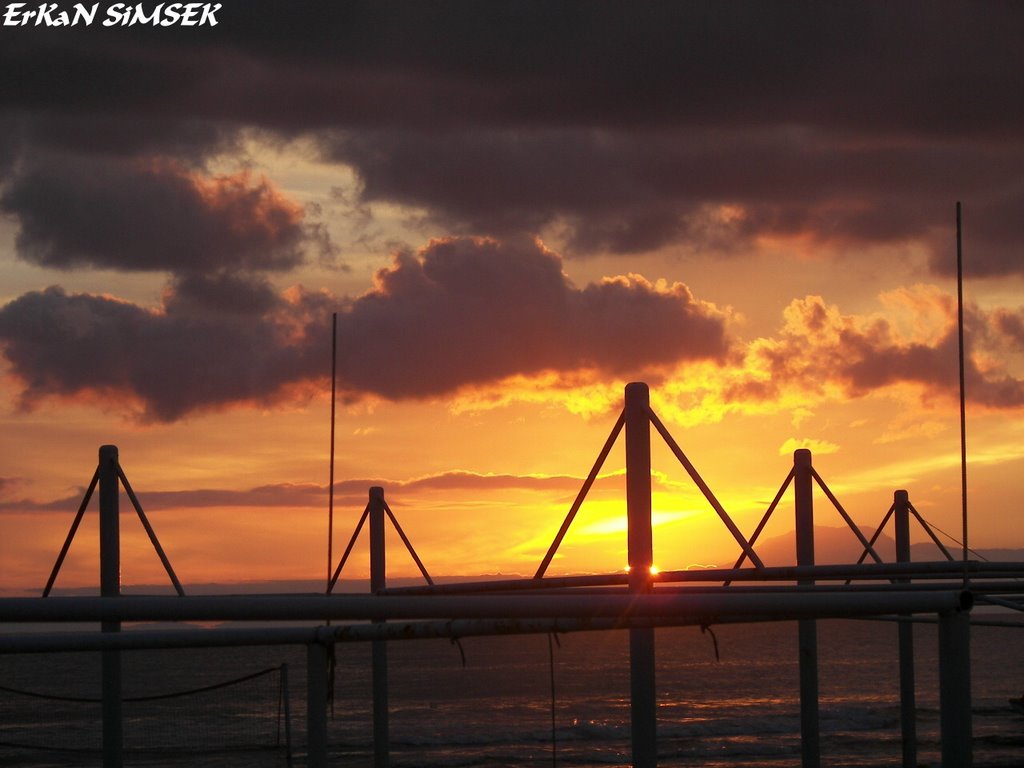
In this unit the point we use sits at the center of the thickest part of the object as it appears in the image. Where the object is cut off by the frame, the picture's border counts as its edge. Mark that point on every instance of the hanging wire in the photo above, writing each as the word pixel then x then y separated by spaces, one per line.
pixel 956 541
pixel 552 641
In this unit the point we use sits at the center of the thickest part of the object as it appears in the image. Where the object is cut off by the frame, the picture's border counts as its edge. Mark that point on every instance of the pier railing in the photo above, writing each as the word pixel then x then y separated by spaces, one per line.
pixel 637 602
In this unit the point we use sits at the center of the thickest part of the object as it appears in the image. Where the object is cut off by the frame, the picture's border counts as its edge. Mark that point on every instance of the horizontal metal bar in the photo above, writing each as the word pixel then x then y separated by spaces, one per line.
pixel 867 571
pixel 981 589
pixel 1016 606
pixel 199 637
pixel 385 608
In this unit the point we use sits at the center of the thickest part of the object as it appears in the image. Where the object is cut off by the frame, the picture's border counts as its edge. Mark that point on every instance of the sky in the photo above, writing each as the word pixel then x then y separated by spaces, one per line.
pixel 514 209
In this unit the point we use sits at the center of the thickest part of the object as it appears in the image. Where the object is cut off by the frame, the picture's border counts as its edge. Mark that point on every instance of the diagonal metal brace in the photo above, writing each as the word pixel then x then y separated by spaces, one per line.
pixel 71 533
pixel 699 481
pixel 348 550
pixel 408 544
pixel 581 495
pixel 764 520
pixel 868 548
pixel 149 531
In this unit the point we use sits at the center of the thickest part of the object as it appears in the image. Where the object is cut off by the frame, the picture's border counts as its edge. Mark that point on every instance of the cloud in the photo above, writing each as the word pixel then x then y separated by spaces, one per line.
pixel 823 351
pixel 1010 325
pixel 153 217
pixel 631 128
pixel 460 312
pixel 709 191
pixel 168 363
pixel 558 489
pixel 472 311
pixel 7 484
pixel 347 492
pixel 817 447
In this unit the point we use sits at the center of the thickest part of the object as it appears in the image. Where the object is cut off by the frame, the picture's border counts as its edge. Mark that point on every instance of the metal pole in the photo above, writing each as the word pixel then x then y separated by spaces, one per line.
pixel 955 689
pixel 378 583
pixel 803 491
pixel 963 401
pixel 330 485
pixel 908 704
pixel 110 586
pixel 286 703
pixel 316 705
pixel 641 558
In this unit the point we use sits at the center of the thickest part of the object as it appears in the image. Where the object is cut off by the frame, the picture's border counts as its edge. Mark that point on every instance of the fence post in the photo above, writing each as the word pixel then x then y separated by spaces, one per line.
pixel 287 707
pixel 955 689
pixel 110 586
pixel 316 705
pixel 803 491
pixel 378 583
pixel 908 703
pixel 641 558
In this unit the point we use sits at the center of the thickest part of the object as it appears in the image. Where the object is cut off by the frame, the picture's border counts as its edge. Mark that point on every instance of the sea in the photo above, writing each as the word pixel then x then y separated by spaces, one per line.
pixel 727 696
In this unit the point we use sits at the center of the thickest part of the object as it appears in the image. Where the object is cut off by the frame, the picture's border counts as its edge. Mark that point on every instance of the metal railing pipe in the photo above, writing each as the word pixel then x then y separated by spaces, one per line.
pixel 379 652
pixel 110 588
pixel 803 492
pixel 868 571
pixel 908 698
pixel 368 607
pixel 955 689
pixel 316 705
pixel 643 694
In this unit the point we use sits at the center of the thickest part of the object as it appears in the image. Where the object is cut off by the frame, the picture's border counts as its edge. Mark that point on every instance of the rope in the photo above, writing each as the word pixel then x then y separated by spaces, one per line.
pixel 714 640
pixel 955 540
pixel 462 651
pixel 157 697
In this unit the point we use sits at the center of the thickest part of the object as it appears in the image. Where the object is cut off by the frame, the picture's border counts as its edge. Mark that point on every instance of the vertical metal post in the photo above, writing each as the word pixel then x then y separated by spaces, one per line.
pixel 908 703
pixel 955 689
pixel 803 491
pixel 641 558
pixel 287 707
pixel 316 705
pixel 378 582
pixel 110 586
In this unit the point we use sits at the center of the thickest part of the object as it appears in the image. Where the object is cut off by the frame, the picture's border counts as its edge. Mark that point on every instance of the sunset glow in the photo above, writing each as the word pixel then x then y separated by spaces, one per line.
pixel 509 234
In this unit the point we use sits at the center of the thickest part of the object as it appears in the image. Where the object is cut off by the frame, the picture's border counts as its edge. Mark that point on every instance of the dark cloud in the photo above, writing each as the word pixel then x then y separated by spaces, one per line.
pixel 221 294
pixel 1011 326
pixel 474 311
pixel 461 312
pixel 707 190
pixel 135 217
pixel 850 122
pixel 993 234
pixel 932 67
pixel 173 362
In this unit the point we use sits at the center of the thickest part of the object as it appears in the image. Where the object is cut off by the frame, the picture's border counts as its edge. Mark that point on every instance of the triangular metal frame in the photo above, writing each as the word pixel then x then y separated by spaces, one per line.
pixel 652 417
pixel 868 544
pixel 142 516
pixel 355 536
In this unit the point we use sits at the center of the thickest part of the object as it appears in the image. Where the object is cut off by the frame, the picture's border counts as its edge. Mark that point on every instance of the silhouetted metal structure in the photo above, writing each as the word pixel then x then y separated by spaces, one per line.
pixel 638 601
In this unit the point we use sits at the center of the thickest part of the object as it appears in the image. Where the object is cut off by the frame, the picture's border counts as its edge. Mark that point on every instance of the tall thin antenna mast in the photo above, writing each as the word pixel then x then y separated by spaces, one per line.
pixel 330 489
pixel 963 402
